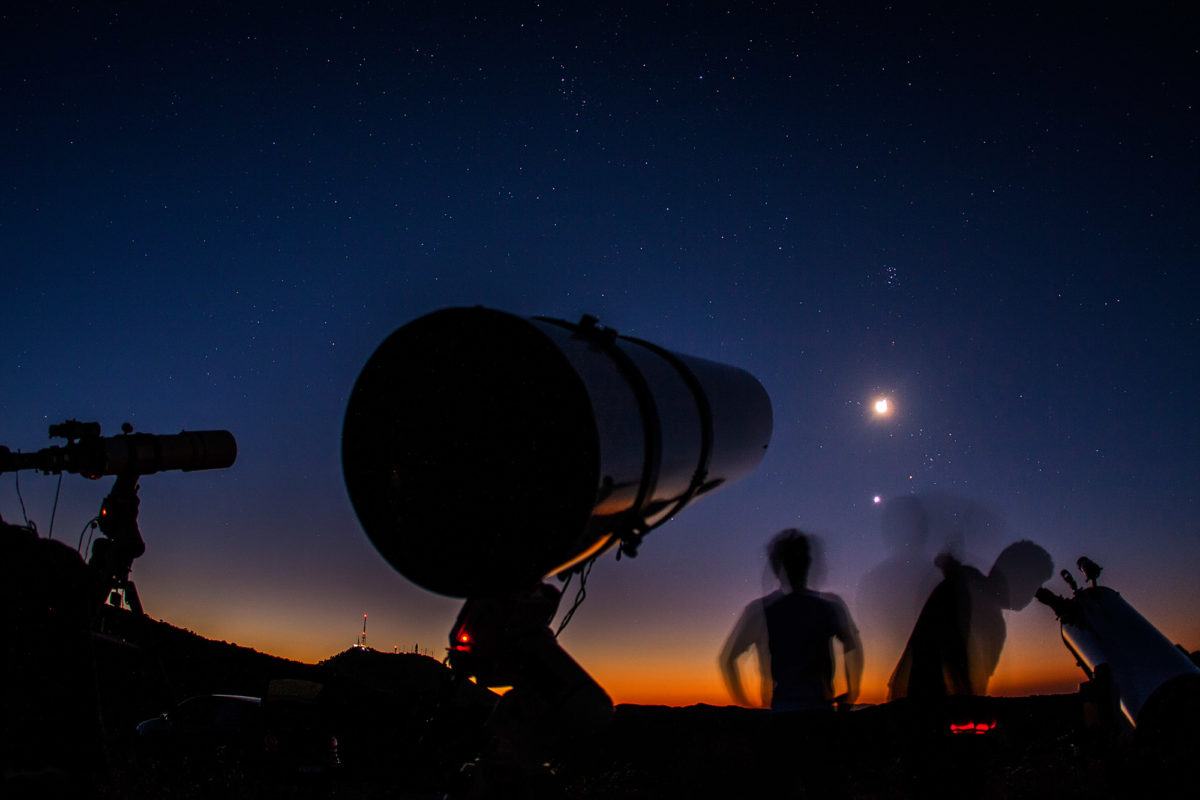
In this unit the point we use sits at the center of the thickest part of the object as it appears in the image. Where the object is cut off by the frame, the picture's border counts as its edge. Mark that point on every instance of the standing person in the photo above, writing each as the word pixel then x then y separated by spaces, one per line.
pixel 792 630
pixel 957 640
pixel 890 594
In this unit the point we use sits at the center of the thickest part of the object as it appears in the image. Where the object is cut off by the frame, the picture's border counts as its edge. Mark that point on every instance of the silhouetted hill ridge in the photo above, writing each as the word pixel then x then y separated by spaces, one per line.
pixel 194 664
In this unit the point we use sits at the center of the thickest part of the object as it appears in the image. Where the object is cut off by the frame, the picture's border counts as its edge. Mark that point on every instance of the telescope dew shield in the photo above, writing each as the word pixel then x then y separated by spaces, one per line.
pixel 483 451
pixel 146 453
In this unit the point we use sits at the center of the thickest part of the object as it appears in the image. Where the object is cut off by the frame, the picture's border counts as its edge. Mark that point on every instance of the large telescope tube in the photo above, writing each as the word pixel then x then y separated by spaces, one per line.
pixel 1105 631
pixel 1154 683
pixel 483 451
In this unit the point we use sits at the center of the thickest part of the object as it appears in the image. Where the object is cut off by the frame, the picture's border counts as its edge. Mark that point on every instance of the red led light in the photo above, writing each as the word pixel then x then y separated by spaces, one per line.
pixel 973 727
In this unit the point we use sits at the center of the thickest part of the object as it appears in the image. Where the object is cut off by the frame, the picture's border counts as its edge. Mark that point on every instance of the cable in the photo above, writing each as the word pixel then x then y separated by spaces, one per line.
pixel 54 510
pixel 580 594
pixel 17 480
pixel 92 523
pixel 566 582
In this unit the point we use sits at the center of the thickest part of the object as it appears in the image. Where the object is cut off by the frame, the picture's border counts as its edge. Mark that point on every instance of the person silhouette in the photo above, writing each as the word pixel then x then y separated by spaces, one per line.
pixel 792 630
pixel 958 637
pixel 889 595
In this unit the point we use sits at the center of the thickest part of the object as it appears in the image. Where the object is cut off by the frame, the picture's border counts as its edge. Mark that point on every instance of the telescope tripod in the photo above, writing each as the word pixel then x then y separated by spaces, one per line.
pixel 113 554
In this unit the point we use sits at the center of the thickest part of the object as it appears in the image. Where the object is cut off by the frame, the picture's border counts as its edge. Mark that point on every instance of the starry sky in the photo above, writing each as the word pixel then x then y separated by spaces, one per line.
pixel 212 213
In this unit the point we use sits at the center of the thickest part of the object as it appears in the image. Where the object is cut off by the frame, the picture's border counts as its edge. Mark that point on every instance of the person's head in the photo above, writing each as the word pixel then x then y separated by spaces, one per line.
pixel 790 555
pixel 1018 572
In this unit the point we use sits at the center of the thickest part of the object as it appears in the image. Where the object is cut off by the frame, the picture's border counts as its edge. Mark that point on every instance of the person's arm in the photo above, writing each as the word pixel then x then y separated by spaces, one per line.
pixel 741 638
pixel 852 657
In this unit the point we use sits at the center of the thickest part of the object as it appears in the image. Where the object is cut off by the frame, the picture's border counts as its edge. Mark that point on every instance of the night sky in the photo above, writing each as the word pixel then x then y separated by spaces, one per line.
pixel 211 215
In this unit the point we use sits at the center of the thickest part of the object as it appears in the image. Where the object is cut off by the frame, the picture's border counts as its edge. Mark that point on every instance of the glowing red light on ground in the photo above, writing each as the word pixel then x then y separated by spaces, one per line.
pixel 973 727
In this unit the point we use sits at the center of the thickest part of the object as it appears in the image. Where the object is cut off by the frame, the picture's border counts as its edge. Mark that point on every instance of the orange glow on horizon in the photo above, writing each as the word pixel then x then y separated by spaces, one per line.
pixel 695 687
pixel 685 675
pixel 674 681
pixel 679 671
pixel 679 680
pixel 674 665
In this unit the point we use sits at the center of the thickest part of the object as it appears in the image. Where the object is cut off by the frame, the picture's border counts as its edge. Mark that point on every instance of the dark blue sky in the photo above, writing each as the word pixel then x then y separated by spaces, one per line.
pixel 210 216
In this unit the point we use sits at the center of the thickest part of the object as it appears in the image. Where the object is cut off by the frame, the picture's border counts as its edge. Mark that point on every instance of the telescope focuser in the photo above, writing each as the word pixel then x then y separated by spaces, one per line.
pixel 1070 581
pixel 1063 607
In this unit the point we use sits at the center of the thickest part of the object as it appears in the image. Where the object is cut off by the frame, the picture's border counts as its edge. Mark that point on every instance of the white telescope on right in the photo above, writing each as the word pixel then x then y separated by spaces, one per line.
pixel 1153 682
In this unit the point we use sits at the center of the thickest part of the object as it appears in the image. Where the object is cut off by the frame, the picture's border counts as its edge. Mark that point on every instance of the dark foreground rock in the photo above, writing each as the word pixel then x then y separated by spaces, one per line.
pixel 406 729
pixel 1036 749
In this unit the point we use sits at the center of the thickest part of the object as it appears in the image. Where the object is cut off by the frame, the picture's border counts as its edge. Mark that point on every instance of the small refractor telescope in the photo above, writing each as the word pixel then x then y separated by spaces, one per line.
pixel 91 455
pixel 128 455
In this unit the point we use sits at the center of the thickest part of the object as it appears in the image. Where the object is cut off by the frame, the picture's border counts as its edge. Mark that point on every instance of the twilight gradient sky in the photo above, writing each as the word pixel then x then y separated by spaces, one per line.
pixel 212 213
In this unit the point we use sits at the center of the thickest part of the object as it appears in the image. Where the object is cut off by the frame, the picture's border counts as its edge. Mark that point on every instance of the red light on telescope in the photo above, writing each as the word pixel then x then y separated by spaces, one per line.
pixel 461 642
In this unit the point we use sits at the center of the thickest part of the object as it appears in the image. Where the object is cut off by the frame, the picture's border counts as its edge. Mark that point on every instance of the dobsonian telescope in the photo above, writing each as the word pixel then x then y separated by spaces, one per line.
pixel 485 452
pixel 128 456
pixel 1134 672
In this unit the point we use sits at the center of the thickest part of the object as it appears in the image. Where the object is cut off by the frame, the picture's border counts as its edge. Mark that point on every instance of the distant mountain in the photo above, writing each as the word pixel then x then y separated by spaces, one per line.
pixel 193 664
